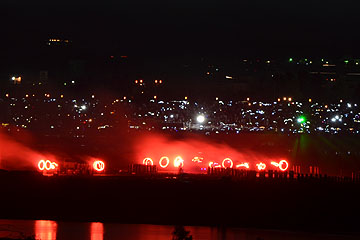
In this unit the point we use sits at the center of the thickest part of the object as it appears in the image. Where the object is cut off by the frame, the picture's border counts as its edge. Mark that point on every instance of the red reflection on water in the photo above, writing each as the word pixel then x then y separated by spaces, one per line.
pixel 97 231
pixel 45 230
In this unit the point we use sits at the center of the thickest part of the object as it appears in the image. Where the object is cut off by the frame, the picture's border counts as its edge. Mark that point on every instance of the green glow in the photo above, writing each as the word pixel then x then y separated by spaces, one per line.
pixel 290 59
pixel 301 119
pixel 346 61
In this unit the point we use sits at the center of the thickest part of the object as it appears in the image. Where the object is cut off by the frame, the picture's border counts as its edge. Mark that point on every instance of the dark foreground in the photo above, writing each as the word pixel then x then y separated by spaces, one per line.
pixel 307 205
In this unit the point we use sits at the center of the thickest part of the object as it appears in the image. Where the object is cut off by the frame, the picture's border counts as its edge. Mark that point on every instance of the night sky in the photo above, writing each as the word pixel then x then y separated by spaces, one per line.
pixel 185 27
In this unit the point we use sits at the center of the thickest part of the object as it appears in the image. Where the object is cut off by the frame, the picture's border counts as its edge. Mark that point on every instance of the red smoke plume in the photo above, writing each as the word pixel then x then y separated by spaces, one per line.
pixel 16 156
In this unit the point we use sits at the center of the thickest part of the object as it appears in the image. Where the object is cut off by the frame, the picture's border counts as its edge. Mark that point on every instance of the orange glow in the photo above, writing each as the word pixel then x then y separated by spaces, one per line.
pixel 227 160
pixel 136 81
pixel 97 231
pixel 245 165
pixel 99 165
pixel 45 230
pixel 211 164
pixel 261 166
pixel 179 162
pixel 156 81
pixel 148 161
pixel 162 164
pixel 160 81
pixel 283 165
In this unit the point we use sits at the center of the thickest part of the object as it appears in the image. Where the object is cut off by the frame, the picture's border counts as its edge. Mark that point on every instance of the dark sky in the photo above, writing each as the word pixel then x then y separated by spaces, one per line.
pixel 192 27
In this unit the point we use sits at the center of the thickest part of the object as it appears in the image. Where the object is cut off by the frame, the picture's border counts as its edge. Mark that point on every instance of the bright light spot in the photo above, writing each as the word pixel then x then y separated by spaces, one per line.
pixel 301 119
pixel 47 165
pixel 197 159
pixel 13 78
pixel 99 165
pixel 148 161
pixel 161 162
pixel 283 165
pixel 179 162
pixel 227 161
pixel 200 119
pixel 83 107
pixel 261 166
pixel 245 165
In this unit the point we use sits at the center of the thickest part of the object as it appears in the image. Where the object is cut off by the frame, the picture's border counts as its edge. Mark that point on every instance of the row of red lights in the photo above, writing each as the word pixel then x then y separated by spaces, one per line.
pixel 47 165
pixel 164 162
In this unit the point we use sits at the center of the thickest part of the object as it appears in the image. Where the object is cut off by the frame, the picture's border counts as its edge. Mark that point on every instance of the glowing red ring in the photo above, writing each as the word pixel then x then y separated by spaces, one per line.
pixel 179 162
pixel 281 165
pixel 261 166
pixel 41 165
pixel 167 162
pixel 147 160
pixel 99 166
pixel 48 165
pixel 227 159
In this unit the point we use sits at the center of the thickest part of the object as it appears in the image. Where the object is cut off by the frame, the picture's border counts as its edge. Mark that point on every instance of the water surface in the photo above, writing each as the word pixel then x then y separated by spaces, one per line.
pixel 52 230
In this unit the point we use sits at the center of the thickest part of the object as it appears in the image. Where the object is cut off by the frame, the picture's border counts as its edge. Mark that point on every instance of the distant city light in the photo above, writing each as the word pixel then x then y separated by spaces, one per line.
pixel 83 107
pixel 200 119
